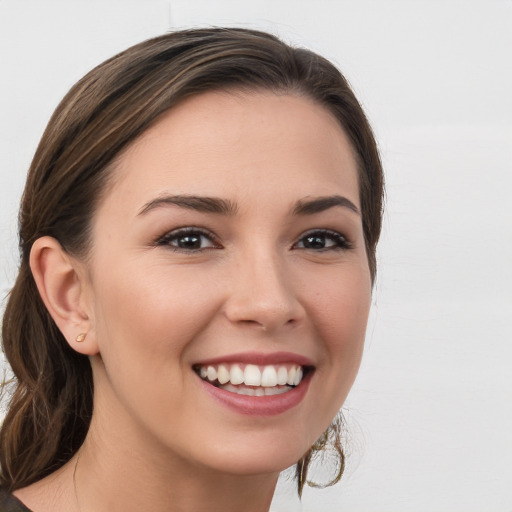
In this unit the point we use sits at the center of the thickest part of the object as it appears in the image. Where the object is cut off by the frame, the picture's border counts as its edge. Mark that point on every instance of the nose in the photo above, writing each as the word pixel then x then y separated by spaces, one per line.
pixel 263 294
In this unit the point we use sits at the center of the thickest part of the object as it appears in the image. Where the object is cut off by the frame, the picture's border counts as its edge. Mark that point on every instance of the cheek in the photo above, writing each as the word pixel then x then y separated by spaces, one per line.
pixel 349 314
pixel 145 324
pixel 146 319
pixel 341 314
pixel 342 302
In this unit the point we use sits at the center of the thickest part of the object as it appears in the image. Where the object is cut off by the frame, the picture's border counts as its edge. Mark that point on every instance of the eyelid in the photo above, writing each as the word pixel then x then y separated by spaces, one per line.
pixel 185 230
pixel 342 241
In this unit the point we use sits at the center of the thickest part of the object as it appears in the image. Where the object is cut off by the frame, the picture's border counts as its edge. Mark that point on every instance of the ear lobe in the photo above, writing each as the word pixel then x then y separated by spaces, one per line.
pixel 60 284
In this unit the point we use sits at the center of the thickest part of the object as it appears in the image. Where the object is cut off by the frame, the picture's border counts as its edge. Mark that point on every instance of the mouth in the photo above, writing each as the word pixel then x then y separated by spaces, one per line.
pixel 252 379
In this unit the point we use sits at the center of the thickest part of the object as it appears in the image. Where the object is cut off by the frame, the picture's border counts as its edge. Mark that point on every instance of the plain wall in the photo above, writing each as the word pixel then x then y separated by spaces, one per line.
pixel 430 415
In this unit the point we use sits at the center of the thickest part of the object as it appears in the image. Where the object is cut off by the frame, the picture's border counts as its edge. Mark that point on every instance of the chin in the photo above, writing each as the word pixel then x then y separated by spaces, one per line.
pixel 258 454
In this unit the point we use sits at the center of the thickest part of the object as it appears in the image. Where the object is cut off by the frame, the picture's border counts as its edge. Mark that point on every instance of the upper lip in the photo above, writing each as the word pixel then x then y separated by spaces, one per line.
pixel 258 358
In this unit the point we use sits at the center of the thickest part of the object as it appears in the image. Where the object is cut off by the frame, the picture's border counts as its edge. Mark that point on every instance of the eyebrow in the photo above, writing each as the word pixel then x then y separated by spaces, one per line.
pixel 198 203
pixel 220 206
pixel 320 204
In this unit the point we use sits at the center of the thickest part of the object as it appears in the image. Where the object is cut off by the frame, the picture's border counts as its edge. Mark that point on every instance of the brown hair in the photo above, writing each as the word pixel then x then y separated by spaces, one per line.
pixel 51 403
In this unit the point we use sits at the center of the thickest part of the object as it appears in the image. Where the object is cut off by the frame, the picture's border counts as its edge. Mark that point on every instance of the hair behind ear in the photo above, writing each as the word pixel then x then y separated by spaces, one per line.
pixel 51 403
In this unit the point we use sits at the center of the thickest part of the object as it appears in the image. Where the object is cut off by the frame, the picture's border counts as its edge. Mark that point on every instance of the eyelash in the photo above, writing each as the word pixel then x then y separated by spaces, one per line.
pixel 189 231
pixel 340 242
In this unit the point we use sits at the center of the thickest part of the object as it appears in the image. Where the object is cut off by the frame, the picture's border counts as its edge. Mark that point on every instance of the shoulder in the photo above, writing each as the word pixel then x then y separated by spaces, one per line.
pixel 8 503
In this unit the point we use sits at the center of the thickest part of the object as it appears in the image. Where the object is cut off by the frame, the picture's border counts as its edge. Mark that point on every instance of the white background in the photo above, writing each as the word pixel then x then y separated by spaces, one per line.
pixel 430 415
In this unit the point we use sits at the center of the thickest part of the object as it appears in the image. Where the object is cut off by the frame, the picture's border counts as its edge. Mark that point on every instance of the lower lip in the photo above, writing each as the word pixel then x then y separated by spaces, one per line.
pixel 270 405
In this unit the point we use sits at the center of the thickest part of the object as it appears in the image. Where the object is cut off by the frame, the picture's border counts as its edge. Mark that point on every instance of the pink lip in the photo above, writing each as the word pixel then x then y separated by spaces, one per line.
pixel 258 358
pixel 270 405
pixel 259 405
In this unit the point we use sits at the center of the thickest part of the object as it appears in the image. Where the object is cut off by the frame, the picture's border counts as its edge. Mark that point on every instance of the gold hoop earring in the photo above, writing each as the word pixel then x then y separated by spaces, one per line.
pixel 80 337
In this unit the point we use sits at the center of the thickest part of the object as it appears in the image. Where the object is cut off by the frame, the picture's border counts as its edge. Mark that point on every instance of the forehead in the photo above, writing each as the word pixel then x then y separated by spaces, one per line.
pixel 229 143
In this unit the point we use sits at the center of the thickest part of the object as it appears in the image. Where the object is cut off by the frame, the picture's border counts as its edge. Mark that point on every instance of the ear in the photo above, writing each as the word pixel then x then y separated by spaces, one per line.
pixel 61 281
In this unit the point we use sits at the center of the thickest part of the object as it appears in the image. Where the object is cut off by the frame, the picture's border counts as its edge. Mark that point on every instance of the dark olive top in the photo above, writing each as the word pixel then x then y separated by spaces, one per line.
pixel 8 503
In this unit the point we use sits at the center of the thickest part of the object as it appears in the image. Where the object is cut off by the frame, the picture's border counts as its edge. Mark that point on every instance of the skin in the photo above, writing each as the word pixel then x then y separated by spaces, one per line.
pixel 152 310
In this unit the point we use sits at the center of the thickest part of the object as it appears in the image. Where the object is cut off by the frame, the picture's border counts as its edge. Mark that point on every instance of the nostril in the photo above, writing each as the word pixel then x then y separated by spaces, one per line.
pixel 269 302
pixel 267 323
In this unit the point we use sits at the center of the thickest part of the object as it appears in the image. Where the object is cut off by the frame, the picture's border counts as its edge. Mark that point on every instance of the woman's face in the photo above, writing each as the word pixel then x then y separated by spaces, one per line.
pixel 228 259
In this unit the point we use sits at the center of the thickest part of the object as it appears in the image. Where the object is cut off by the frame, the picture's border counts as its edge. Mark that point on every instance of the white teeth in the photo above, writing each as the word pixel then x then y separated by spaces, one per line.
pixel 298 376
pixel 236 375
pixel 282 375
pixel 291 376
pixel 247 391
pixel 276 390
pixel 223 374
pixel 252 375
pixel 211 373
pixel 241 390
pixel 269 377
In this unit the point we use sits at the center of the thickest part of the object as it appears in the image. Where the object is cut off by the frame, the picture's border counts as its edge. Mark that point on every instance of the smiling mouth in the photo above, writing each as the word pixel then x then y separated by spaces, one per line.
pixel 251 379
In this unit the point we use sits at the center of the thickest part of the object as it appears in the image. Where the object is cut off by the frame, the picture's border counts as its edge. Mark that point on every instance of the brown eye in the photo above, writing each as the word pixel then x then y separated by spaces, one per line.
pixel 323 240
pixel 188 240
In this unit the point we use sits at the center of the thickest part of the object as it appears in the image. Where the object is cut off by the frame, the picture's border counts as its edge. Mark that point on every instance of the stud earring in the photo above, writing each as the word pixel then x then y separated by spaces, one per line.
pixel 80 337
